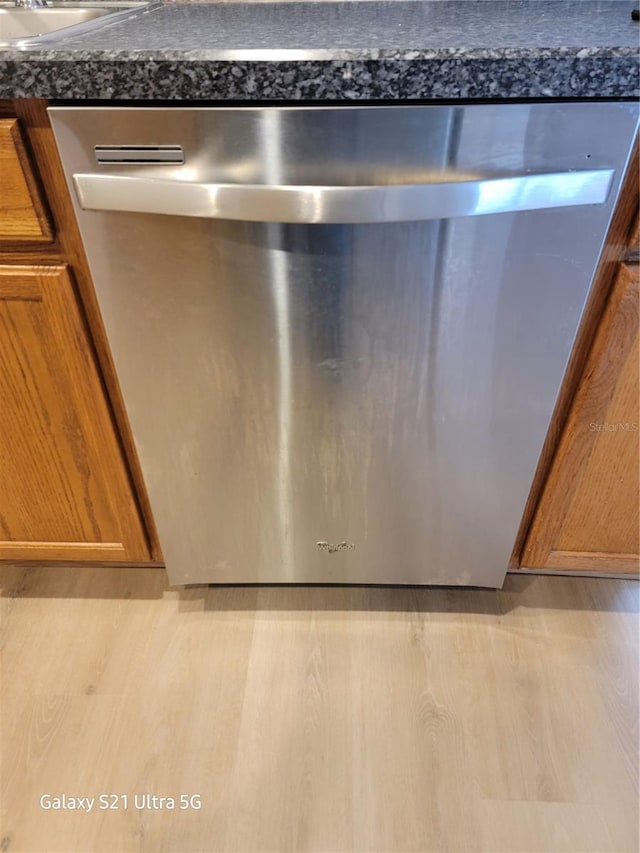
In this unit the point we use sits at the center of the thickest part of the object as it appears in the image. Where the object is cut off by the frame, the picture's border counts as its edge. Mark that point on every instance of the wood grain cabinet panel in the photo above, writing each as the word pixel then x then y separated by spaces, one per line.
pixel 23 215
pixel 634 241
pixel 64 488
pixel 588 515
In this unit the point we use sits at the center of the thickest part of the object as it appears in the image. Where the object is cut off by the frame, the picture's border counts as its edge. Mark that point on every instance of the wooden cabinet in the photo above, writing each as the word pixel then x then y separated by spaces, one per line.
pixel 588 515
pixel 64 491
pixel 66 486
pixel 23 214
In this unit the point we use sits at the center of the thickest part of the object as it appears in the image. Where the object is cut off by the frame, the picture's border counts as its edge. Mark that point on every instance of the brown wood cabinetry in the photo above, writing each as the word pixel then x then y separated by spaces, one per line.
pixel 588 515
pixel 64 491
pixel 23 215
pixel 66 488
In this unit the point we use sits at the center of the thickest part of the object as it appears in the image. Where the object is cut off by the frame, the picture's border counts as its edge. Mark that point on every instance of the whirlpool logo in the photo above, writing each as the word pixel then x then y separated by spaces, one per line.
pixel 334 547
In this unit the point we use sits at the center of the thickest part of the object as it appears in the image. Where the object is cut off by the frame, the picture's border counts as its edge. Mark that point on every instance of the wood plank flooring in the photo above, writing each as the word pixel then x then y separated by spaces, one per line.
pixel 340 719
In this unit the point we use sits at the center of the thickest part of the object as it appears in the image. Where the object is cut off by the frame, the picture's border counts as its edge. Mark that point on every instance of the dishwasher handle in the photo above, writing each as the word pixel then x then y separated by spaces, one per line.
pixel 342 204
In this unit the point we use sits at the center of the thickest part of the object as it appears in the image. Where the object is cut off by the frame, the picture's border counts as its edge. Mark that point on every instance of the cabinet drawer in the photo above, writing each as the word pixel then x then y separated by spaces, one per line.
pixel 23 215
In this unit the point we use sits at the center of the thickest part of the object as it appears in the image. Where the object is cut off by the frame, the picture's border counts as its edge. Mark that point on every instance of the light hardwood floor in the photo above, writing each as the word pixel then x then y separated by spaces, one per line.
pixel 319 719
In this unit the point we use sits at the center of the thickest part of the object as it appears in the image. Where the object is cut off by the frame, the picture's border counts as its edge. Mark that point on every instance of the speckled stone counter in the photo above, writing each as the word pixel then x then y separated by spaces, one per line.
pixel 327 51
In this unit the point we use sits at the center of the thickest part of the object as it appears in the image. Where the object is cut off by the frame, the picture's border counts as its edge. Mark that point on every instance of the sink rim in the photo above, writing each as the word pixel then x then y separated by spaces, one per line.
pixel 110 11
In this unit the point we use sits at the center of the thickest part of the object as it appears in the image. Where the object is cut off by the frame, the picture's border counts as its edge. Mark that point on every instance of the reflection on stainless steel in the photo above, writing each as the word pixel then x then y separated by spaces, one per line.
pixel 355 205
pixel 271 144
pixel 280 294
pixel 330 402
pixel 29 4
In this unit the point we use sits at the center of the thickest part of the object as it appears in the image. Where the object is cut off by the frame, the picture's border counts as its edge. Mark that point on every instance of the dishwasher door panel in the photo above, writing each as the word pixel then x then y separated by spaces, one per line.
pixel 344 403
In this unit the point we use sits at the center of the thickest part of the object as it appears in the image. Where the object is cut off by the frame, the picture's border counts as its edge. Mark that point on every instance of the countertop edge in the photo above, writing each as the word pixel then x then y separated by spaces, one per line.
pixel 348 75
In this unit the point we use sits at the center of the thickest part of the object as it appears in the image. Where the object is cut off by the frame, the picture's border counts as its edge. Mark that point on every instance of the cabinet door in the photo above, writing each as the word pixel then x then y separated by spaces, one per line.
pixel 22 213
pixel 588 514
pixel 64 488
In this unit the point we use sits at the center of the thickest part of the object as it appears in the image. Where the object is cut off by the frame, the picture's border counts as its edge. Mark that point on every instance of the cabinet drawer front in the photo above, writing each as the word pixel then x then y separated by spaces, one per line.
pixel 23 216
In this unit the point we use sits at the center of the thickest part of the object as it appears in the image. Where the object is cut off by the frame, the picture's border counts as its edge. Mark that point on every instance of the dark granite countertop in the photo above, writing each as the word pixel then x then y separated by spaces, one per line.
pixel 327 51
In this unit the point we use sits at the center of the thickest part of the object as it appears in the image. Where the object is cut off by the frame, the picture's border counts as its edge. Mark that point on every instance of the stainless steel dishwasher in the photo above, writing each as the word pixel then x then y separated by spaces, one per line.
pixel 340 332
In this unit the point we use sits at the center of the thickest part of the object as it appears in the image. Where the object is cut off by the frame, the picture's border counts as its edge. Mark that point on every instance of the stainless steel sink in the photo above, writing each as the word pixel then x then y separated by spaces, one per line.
pixel 28 27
